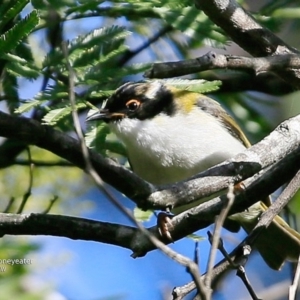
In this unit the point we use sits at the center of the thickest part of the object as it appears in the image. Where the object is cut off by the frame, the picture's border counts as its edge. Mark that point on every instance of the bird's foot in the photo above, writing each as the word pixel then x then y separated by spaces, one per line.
pixel 164 224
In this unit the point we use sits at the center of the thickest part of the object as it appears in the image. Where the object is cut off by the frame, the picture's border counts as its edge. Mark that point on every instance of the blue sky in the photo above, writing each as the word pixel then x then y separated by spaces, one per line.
pixel 93 270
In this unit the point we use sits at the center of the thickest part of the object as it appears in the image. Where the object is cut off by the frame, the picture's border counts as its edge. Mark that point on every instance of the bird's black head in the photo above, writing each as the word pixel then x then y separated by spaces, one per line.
pixel 137 100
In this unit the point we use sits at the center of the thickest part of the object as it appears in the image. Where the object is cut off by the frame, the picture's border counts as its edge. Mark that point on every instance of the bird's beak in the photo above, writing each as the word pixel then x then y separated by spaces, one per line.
pixel 104 115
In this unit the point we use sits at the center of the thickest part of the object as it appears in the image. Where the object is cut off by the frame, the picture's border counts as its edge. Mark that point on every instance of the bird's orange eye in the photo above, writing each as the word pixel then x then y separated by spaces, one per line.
pixel 133 104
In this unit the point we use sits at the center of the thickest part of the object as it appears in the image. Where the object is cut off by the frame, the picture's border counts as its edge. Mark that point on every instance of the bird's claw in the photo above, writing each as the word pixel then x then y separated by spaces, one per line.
pixel 164 224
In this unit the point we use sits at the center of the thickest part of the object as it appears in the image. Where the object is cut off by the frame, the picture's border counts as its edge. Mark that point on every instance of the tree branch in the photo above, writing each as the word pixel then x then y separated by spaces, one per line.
pixel 248 34
pixel 264 221
pixel 212 61
pixel 137 241
pixel 41 163
pixel 132 238
pixel 33 133
pixel 258 187
pixel 276 207
pixel 129 237
pixel 284 140
pixel 67 226
pixel 129 54
pixel 243 28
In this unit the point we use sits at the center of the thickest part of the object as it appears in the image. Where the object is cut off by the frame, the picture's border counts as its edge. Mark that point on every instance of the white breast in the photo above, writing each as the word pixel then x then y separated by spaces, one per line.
pixel 164 150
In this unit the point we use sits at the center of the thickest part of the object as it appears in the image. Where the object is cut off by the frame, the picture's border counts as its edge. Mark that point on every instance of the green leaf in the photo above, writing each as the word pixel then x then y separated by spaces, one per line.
pixel 115 147
pixel 294 204
pixel 206 87
pixel 19 70
pixel 21 67
pixel 196 238
pixel 105 35
pixel 10 89
pixel 196 85
pixel 97 93
pixel 83 6
pixel 24 51
pixel 141 215
pixel 28 105
pixel 10 39
pixel 130 11
pixel 57 92
pixel 9 13
pixel 55 115
pixel 54 4
pixel 96 134
pixel 96 138
pixel 287 13
pixel 93 56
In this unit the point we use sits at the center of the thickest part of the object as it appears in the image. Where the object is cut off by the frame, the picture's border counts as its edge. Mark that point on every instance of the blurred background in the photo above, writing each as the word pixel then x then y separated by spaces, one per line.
pixel 151 31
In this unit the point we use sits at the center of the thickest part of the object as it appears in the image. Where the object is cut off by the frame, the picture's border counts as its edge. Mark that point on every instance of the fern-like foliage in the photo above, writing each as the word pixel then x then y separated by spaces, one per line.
pixel 15 56
pixel 9 11
pixel 96 56
pixel 10 39
pixel 101 56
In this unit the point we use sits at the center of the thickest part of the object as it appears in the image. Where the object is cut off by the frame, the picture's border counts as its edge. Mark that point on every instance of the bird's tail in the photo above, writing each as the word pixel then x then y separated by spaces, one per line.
pixel 277 243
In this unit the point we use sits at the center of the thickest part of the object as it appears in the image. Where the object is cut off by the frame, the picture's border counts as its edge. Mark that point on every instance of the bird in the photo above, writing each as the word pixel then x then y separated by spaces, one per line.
pixel 172 134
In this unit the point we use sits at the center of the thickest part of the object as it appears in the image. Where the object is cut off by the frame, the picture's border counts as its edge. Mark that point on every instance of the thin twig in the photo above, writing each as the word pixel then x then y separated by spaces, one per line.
pixel 9 205
pixel 240 267
pixel 217 233
pixel 51 203
pixel 28 192
pixel 242 274
pixel 275 208
pixel 196 254
pixel 295 284
pixel 40 163
pixel 131 53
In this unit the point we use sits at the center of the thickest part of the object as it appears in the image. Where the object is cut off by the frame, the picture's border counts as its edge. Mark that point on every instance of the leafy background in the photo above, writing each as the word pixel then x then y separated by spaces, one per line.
pixel 110 43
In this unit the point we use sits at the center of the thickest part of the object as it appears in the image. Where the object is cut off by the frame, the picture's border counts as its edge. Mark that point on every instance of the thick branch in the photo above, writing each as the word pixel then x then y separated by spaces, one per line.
pixel 284 140
pixel 243 28
pixel 33 133
pixel 247 33
pixel 258 187
pixel 212 61
pixel 66 226
pixel 131 238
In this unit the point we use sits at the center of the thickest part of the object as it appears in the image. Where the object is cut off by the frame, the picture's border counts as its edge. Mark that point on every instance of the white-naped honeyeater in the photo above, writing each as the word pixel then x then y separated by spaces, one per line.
pixel 171 135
